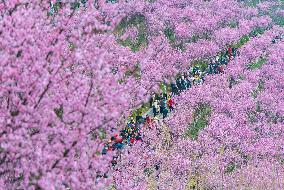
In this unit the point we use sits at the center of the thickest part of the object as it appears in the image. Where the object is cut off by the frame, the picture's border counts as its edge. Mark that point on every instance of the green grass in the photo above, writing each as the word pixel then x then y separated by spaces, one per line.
pixel 140 111
pixel 256 31
pixel 252 3
pixel 112 187
pixel 277 19
pixel 163 87
pixel 170 35
pixel 200 119
pixel 138 21
pixel 257 64
pixel 241 42
pixel 244 39
pixel 75 5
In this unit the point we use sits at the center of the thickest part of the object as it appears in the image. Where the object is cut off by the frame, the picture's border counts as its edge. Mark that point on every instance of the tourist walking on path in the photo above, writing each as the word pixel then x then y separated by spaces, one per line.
pixel 155 108
pixel 179 85
pixel 188 82
pixel 139 118
pixel 170 104
pixel 230 52
pixel 148 120
pixel 152 100
pixel 221 68
pixel 183 83
pixel 163 108
pixel 174 89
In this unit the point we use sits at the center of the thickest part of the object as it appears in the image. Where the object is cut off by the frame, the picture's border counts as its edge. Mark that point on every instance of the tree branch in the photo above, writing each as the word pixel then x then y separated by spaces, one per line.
pixel 42 94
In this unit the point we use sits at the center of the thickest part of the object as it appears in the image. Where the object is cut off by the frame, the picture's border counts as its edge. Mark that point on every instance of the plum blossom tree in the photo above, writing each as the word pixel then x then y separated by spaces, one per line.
pixel 59 96
pixel 68 81
pixel 242 141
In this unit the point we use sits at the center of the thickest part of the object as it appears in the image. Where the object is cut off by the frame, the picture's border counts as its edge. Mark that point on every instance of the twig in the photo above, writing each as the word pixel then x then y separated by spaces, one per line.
pixel 42 94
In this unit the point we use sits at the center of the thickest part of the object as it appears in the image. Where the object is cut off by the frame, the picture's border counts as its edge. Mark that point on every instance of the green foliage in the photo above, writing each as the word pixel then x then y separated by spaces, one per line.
pixel 201 64
pixel 138 21
pixel 120 81
pixel 256 31
pixel 233 24
pixel 14 113
pixel 112 187
pixel 252 3
pixel 75 5
pixel 170 35
pixel 194 38
pixel 277 19
pixel 244 39
pixel 102 133
pixel 59 112
pixel 200 119
pixel 71 46
pixel 241 42
pixel 230 167
pixel 270 116
pixel 163 87
pixel 257 64
pixel 54 8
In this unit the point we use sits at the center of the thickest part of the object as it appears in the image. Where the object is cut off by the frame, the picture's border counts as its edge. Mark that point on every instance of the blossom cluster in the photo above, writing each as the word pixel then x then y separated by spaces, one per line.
pixel 71 73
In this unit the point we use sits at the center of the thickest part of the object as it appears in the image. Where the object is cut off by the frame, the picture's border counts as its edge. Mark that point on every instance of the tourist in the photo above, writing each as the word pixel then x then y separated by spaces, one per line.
pixel 174 89
pixel 148 120
pixel 179 85
pixel 188 82
pixel 170 104
pixel 155 108
pixel 183 83
pixel 152 100
pixel 230 52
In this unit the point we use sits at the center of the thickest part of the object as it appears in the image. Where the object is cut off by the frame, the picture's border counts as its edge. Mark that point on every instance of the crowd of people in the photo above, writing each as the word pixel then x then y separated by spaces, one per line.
pixel 163 104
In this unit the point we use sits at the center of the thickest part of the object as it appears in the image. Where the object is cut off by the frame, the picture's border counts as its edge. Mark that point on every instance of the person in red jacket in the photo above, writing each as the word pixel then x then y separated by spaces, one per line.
pixel 118 139
pixel 170 104
pixel 230 52
pixel 148 120
pixel 221 68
